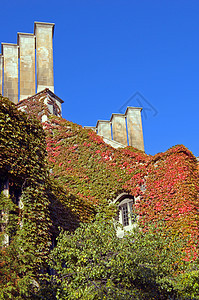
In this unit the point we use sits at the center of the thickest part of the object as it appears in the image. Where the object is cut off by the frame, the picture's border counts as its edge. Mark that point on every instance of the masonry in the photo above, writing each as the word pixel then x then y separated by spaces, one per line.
pixel 24 52
pixel 122 129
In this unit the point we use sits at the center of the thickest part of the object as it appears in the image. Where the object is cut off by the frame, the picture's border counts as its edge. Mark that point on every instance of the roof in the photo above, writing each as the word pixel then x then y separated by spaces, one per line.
pixel 44 92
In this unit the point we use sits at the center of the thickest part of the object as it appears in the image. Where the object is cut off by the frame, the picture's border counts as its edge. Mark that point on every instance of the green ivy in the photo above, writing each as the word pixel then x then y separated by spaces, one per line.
pixel 23 164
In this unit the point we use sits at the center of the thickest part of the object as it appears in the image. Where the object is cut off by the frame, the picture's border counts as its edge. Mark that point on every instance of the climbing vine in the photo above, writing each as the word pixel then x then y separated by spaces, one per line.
pixel 166 184
pixel 22 165
pixel 60 174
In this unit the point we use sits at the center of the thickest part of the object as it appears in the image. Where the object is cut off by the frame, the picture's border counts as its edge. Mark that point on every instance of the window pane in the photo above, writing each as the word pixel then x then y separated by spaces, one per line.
pixel 125 216
pixel 132 213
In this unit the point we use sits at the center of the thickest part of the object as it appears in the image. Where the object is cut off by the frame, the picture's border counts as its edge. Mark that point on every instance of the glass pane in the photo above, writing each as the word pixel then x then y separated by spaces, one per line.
pixel 132 213
pixel 125 217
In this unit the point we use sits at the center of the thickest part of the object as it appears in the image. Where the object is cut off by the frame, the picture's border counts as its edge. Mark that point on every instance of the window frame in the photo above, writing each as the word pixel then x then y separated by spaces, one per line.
pixel 126 215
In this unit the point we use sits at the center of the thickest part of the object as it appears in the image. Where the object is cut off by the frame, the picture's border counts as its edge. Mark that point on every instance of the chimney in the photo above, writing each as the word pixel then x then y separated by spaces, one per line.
pixel 91 127
pixel 26 42
pixel 10 53
pixel 119 128
pixel 104 128
pixel 134 124
pixel 1 74
pixel 44 51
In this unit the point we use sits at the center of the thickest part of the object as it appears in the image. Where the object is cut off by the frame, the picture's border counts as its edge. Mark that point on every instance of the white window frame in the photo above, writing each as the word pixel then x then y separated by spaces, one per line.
pixel 128 221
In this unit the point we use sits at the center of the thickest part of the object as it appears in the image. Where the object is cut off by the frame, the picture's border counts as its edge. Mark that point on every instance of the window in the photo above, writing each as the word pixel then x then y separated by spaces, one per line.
pixel 126 210
pixel 126 213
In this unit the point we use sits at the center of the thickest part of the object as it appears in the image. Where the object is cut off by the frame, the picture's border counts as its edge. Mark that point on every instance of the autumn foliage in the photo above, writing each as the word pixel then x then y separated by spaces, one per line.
pixel 65 174
pixel 167 183
pixel 93 173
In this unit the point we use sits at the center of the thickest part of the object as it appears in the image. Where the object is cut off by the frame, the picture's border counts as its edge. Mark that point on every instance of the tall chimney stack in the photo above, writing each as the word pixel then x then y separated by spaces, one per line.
pixel 104 128
pixel 26 42
pixel 119 128
pixel 44 51
pixel 10 53
pixel 134 124
pixel 1 74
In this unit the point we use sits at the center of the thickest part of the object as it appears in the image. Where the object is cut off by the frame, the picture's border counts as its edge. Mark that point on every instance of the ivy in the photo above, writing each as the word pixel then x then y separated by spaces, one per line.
pixel 95 173
pixel 61 175
pixel 23 165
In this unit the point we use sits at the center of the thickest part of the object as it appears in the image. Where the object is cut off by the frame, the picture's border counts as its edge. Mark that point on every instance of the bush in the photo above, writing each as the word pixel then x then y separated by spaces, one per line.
pixel 93 263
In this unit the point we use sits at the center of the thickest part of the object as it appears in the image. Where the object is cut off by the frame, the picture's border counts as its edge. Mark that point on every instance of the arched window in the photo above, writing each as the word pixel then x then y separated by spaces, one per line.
pixel 126 213
pixel 126 208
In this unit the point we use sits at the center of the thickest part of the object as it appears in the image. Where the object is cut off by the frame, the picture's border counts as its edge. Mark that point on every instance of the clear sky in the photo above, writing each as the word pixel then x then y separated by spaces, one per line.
pixel 107 50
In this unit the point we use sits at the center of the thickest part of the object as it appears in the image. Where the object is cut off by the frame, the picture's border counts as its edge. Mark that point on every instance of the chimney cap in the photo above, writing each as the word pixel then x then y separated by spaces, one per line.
pixel 24 34
pixel 8 44
pixel 43 24
pixel 102 121
pixel 132 108
pixel 117 114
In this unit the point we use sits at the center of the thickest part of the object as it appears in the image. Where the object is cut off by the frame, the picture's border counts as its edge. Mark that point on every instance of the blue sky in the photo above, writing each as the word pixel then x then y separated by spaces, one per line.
pixel 107 50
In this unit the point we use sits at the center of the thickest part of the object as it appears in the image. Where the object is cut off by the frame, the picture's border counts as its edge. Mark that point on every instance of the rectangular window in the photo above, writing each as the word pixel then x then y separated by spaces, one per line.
pixel 125 217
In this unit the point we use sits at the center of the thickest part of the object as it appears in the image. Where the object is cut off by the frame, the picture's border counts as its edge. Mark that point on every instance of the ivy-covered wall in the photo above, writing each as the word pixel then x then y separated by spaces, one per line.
pixel 95 173
pixel 91 174
pixel 64 174
pixel 22 163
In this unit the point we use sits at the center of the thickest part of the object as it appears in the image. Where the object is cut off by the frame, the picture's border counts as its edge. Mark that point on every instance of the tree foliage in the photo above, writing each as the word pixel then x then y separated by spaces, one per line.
pixel 93 263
